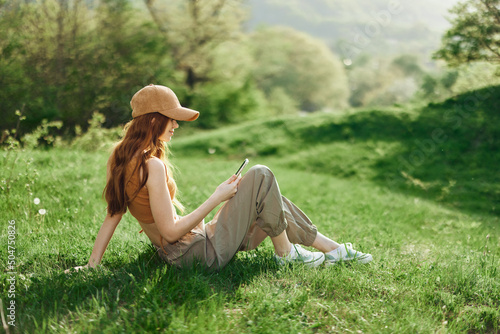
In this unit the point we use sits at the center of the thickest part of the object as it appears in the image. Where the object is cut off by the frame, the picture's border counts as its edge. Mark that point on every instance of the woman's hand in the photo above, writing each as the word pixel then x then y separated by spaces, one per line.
pixel 67 271
pixel 227 189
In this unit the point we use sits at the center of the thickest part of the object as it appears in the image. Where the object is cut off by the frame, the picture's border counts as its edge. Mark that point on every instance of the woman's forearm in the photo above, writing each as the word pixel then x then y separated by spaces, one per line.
pixel 190 221
pixel 161 205
pixel 103 237
pixel 224 192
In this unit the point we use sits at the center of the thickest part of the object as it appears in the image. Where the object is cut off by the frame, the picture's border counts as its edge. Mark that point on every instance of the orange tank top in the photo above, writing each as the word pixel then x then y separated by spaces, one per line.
pixel 139 207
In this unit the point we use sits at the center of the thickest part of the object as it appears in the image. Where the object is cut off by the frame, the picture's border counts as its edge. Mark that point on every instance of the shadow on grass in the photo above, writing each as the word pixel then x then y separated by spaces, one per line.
pixel 145 291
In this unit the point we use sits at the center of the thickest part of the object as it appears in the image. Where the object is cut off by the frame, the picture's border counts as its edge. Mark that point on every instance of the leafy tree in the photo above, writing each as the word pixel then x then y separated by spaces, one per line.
pixel 63 60
pixel 474 33
pixel 210 58
pixel 408 64
pixel 66 59
pixel 304 67
pixel 448 82
pixel 195 30
pixel 377 81
pixel 475 76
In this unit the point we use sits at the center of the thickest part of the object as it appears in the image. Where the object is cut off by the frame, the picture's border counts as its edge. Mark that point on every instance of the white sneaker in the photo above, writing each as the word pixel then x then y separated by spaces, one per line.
pixel 300 255
pixel 346 253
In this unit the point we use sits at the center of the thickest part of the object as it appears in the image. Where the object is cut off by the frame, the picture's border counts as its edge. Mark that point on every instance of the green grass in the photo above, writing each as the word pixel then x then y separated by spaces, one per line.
pixel 433 269
pixel 432 230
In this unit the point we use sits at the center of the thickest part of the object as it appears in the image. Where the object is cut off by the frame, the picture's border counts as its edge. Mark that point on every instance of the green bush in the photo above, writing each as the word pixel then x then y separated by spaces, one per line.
pixel 96 137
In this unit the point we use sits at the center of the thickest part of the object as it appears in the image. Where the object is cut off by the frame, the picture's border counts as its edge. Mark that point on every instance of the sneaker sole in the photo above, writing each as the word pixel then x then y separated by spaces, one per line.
pixel 368 258
pixel 314 264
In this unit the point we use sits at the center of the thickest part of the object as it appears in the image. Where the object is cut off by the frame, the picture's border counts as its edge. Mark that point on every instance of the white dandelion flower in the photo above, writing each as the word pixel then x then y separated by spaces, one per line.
pixel 36 201
pixel 42 211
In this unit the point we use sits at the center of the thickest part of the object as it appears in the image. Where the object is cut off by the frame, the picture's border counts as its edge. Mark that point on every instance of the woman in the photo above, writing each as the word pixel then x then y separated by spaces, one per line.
pixel 139 178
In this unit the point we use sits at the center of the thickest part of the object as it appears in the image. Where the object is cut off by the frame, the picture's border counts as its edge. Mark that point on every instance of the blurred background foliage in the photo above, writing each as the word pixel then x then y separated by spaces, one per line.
pixel 66 60
pixel 299 65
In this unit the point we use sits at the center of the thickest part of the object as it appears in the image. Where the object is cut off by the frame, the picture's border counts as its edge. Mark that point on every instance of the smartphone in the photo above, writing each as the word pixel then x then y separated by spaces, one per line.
pixel 241 167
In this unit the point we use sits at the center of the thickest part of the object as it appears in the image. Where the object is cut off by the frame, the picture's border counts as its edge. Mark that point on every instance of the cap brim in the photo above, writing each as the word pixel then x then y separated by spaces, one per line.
pixel 181 114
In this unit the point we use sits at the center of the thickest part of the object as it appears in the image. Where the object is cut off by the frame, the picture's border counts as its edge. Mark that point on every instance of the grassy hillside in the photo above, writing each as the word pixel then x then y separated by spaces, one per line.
pixel 447 152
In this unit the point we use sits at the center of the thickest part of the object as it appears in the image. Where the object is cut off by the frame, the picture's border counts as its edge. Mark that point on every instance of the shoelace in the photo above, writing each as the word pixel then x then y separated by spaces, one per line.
pixel 348 248
pixel 351 251
pixel 357 254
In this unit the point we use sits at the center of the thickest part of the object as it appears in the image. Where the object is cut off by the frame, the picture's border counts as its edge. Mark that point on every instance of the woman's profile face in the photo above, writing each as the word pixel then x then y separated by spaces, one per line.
pixel 169 130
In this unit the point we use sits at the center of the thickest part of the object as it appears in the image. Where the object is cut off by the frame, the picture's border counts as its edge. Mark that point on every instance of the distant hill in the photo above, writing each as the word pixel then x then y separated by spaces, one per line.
pixel 416 28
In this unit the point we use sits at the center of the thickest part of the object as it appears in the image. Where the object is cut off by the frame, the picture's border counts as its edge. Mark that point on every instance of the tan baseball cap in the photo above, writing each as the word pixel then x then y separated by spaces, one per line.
pixel 156 98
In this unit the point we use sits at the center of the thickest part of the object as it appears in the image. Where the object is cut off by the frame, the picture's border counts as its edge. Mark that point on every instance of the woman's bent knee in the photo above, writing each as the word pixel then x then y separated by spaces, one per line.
pixel 259 174
pixel 260 169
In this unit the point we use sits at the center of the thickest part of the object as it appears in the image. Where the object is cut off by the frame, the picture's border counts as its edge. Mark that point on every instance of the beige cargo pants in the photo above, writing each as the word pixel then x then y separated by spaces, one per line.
pixel 256 211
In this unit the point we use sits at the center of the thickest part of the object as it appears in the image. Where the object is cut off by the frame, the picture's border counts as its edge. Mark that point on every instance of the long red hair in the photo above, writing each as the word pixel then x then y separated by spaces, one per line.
pixel 141 140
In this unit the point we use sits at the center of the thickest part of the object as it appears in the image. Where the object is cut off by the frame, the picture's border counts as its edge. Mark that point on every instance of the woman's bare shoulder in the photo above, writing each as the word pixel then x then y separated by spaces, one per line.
pixel 155 165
